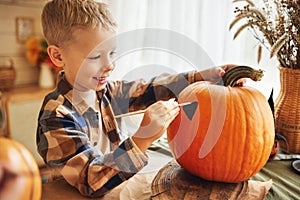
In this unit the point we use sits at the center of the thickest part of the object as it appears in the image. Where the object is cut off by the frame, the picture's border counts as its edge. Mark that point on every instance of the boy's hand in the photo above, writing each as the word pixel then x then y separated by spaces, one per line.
pixel 156 119
pixel 214 74
pixel 222 69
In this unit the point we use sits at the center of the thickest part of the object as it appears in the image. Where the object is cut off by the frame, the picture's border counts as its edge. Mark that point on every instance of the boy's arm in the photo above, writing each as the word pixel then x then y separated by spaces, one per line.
pixel 62 141
pixel 137 95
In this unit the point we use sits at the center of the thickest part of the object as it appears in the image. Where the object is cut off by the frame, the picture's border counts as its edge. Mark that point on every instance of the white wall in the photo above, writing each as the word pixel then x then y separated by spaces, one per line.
pixel 208 31
pixel 26 74
pixel 205 22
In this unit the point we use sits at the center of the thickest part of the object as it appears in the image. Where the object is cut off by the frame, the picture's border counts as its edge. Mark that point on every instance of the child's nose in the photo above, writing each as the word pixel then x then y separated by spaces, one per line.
pixel 109 67
pixel 107 61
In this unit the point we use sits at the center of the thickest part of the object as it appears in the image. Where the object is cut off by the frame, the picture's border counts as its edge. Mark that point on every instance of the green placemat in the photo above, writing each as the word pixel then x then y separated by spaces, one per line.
pixel 286 182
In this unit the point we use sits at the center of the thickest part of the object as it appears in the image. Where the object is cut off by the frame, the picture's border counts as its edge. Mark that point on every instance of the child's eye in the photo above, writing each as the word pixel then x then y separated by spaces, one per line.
pixel 112 53
pixel 94 57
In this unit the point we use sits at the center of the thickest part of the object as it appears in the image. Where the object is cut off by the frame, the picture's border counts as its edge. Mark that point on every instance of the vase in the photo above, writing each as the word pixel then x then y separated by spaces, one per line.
pixel 46 79
pixel 287 108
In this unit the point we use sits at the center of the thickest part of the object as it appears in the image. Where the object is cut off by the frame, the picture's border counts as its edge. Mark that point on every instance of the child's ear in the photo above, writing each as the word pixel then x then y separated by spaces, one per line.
pixel 54 53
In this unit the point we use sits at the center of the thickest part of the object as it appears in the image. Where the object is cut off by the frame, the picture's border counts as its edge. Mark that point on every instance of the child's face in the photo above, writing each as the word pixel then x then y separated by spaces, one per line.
pixel 88 60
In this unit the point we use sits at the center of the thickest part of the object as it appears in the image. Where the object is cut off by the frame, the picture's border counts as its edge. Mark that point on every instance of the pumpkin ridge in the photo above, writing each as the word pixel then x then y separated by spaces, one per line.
pixel 230 149
pixel 251 138
pixel 265 140
pixel 239 104
pixel 248 147
pixel 257 159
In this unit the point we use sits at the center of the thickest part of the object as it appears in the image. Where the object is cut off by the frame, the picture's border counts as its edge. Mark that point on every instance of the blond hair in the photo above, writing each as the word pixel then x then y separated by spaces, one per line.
pixel 60 17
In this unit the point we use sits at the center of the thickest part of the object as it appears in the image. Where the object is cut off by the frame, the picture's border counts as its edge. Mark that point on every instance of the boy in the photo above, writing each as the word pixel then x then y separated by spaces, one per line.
pixel 76 126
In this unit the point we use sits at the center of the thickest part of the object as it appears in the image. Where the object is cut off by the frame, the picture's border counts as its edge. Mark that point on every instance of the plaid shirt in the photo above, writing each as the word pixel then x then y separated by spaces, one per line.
pixel 68 131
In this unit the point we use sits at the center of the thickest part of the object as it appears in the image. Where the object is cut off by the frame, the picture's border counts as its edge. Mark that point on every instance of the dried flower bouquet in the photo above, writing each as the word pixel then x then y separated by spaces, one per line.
pixel 275 24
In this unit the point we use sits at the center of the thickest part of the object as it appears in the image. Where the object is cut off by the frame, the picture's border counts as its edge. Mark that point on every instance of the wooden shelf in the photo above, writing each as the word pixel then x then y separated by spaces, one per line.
pixel 25 93
pixel 19 95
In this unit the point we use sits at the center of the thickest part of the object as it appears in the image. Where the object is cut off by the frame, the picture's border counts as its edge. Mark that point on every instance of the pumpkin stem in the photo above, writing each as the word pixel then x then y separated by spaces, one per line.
pixel 232 75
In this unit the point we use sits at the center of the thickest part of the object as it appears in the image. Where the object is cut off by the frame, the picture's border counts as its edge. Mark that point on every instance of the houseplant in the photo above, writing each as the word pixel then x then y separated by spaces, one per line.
pixel 276 25
pixel 36 54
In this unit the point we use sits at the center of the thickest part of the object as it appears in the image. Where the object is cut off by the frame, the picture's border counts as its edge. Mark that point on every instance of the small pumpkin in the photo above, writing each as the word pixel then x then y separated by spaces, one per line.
pixel 228 137
pixel 19 172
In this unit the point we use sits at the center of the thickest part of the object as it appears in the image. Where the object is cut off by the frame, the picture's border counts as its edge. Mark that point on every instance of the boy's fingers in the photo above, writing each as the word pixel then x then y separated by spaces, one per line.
pixel 241 82
pixel 228 66
pixel 174 113
pixel 220 71
pixel 163 107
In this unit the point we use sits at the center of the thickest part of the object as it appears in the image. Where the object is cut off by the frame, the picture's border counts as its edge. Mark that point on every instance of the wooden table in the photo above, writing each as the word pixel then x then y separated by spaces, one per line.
pixel 285 185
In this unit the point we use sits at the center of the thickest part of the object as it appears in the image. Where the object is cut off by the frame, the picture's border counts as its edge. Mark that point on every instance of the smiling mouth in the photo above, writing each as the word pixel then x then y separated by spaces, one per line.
pixel 100 80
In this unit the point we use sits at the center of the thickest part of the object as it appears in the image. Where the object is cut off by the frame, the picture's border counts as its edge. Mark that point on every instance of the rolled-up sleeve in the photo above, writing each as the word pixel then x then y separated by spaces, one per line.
pixel 139 94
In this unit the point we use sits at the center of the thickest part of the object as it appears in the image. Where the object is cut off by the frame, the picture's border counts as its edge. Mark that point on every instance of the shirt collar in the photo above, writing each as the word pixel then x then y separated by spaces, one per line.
pixel 71 95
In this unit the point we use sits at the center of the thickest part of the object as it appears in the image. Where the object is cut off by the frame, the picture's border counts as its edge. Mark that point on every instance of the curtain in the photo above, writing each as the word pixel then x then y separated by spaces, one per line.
pixel 184 35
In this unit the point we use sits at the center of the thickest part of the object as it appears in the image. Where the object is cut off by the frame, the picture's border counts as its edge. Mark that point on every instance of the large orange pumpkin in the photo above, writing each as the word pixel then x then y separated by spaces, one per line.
pixel 228 137
pixel 19 172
